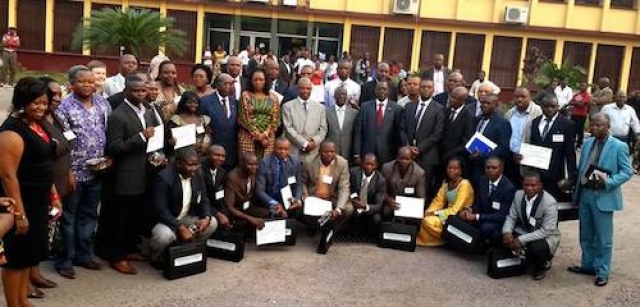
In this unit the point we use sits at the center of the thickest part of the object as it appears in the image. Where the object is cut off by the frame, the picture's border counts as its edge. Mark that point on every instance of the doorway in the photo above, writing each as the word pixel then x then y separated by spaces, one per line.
pixel 258 40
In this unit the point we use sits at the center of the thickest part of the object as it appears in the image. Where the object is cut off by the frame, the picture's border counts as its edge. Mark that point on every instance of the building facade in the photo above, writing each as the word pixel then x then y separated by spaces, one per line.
pixel 602 36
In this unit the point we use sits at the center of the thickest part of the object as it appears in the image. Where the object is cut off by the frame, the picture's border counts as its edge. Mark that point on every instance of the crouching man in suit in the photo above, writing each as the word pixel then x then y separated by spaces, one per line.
pixel 181 206
pixel 368 190
pixel 240 196
pixel 532 225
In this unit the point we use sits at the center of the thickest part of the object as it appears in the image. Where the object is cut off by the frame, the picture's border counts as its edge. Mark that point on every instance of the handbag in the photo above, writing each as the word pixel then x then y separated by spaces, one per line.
pixel 503 263
pixel 460 235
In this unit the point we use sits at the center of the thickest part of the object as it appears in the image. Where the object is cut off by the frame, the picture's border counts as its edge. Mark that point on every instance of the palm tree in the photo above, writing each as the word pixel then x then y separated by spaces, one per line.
pixel 137 30
pixel 550 71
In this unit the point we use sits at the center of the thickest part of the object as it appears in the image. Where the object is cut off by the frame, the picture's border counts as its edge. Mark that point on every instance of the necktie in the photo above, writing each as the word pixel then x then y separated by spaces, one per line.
pixel 364 189
pixel 249 186
pixel 545 130
pixel 481 125
pixel 452 114
pixel 304 105
pixel 419 113
pixel 279 184
pixel 379 114
pixel 492 187
pixel 594 156
pixel 226 107
pixel 233 89
pixel 340 117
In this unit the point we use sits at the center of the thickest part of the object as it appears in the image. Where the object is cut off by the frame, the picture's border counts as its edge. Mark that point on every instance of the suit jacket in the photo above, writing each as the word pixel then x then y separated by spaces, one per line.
pixel 443 99
pixel 224 130
pixel 382 141
pixel 397 185
pixel 614 157
pixel 291 94
pixel 375 193
pixel 286 75
pixel 235 190
pixel 426 136
pixel 167 197
pixel 367 92
pixel 428 74
pixel 342 137
pixel 495 207
pixel 545 214
pixel 128 149
pixel 116 100
pixel 267 185
pixel 561 138
pixel 339 185
pixel 457 133
pixel 299 125
pixel 281 86
pixel 499 131
pixel 214 186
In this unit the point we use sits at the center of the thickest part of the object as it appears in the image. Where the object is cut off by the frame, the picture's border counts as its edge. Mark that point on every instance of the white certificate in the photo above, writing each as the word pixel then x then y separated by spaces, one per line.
pixel 535 156
pixel 314 206
pixel 273 232
pixel 287 195
pixel 184 135
pixel 156 142
pixel 410 207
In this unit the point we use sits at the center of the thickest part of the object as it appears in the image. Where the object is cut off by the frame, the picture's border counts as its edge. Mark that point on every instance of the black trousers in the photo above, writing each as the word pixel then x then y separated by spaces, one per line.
pixel 579 121
pixel 364 223
pixel 538 254
pixel 123 224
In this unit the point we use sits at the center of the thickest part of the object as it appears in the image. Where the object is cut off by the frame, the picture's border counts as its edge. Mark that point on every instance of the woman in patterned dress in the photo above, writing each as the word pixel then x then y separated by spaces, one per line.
pixel 258 116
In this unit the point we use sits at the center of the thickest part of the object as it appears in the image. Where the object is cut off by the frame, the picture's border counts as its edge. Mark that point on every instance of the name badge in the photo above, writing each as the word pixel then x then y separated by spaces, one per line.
pixel 200 129
pixel 292 180
pixel 245 205
pixel 354 195
pixel 558 138
pixel 495 205
pixel 532 221
pixel 327 179
pixel 69 135
pixel 409 190
pixel 220 195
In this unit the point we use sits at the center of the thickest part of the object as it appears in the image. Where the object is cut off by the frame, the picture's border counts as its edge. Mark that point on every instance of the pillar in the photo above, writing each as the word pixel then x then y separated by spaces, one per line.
pixel 523 54
pixel 381 44
pixel 49 24
pixel 626 67
pixel 592 62
pixel 163 14
pixel 346 35
pixel 86 14
pixel 486 55
pixel 415 51
pixel 200 37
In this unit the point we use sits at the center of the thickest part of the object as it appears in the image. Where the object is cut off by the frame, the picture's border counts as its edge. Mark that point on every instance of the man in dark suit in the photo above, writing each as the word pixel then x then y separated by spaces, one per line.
pixel 367 92
pixel 379 128
pixel 455 80
pixel 117 99
pixel 277 171
pixel 495 128
pixel 424 125
pixel 215 177
pixel 368 190
pixel 438 73
pixel 180 202
pixel 239 82
pixel 245 212
pixel 341 120
pixel 555 131
pixel 493 197
pixel 221 107
pixel 404 177
pixel 130 127
pixel 459 126
pixel 286 71
pixel 273 74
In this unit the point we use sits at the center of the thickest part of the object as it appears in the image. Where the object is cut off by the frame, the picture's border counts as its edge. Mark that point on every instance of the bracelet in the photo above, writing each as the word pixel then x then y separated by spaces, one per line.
pixel 19 216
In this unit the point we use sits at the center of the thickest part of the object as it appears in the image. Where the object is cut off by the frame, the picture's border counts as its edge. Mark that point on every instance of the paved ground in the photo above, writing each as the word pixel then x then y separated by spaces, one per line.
pixel 364 275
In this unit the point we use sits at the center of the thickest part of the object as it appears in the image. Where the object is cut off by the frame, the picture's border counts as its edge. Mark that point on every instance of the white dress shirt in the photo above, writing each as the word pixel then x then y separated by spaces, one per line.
pixel 622 119
pixel 424 108
pixel 244 57
pixel 365 179
pixel 543 123
pixel 529 205
pixel 237 84
pixel 476 85
pixel 340 112
pixel 456 112
pixel 224 102
pixel 353 90
pixel 113 85
pixel 438 81
pixel 186 197
pixel 564 95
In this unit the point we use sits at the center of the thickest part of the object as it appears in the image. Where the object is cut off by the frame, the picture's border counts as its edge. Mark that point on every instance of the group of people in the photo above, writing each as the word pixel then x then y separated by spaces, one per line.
pixel 360 147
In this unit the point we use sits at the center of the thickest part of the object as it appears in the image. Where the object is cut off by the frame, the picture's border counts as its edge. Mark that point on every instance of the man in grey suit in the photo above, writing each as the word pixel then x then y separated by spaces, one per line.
pixel 532 225
pixel 305 123
pixel 438 73
pixel 130 127
pixel 341 120
pixel 424 125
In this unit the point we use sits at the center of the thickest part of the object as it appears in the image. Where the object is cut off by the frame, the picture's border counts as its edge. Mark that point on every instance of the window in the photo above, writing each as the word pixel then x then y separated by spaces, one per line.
pixel 625 4
pixel 219 31
pixel 609 64
pixel 588 2
pixel 434 43
pixel 219 21
pixel 576 53
pixel 67 16
pixel 329 30
pixel 547 47
pixel 31 26
pixel 255 24
pixel 364 39
pixel 4 14
pixel 505 60
pixel 634 75
pixel 397 46
pixel 292 27
pixel 186 21
pixel 468 54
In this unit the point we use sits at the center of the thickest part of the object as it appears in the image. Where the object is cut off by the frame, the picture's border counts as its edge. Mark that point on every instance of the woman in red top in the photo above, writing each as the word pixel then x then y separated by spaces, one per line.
pixel 318 75
pixel 580 110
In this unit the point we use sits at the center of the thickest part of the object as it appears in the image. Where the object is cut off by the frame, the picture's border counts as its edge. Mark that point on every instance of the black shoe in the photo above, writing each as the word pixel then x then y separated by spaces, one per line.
pixel 580 270
pixel 547 265
pixel 539 275
pixel 601 281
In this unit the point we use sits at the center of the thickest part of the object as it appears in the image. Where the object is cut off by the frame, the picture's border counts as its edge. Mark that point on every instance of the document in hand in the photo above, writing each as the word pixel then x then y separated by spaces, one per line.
pixel 156 142
pixel 184 135
pixel 287 195
pixel 410 207
pixel 480 143
pixel 314 206
pixel 535 156
pixel 273 232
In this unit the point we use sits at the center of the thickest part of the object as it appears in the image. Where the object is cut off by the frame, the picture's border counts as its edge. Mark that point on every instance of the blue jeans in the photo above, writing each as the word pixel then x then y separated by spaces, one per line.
pixel 79 220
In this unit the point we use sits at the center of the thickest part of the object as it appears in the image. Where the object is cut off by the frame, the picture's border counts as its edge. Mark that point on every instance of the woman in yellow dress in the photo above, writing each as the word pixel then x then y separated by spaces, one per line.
pixel 455 195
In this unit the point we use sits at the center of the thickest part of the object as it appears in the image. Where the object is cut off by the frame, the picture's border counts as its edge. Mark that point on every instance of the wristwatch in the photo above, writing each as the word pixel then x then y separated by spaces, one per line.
pixel 19 216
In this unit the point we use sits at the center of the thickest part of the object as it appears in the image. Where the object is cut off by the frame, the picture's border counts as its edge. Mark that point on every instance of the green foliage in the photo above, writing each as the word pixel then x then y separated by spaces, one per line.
pixel 549 71
pixel 137 30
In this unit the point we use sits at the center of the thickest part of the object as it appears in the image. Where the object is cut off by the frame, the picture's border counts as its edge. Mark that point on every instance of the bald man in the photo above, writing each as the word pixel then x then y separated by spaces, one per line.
pixel 221 108
pixel 458 125
pixel 438 73
pixel 455 80
pixel 128 65
pixel 383 75
pixel 275 81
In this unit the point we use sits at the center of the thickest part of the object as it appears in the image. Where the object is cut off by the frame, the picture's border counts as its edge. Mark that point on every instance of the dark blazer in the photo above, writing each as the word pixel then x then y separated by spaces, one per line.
pixel 127 148
pixel 267 189
pixel 457 133
pixel 427 136
pixel 167 197
pixel 367 91
pixel 382 141
pixel 286 75
pixel 235 189
pixel 211 187
pixel 499 131
pixel 341 137
pixel 281 86
pixel 484 203
pixel 224 130
pixel 428 74
pixel 443 99
pixel 116 100
pixel 375 193
pixel 290 94
pixel 563 154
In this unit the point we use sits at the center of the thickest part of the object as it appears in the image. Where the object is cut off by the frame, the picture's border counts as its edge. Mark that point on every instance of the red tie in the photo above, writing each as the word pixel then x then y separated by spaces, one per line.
pixel 379 114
